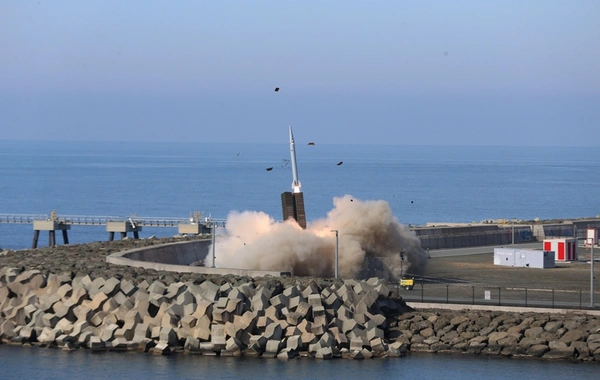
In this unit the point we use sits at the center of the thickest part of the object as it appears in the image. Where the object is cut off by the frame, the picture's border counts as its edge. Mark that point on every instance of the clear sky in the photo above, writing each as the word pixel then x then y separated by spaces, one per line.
pixel 351 72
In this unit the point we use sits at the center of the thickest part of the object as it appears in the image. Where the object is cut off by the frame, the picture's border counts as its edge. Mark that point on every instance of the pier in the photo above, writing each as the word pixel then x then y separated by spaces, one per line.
pixel 194 225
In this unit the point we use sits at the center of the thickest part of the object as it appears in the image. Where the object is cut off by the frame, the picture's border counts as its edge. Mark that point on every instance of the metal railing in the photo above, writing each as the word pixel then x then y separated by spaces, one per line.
pixel 21 218
pixel 87 220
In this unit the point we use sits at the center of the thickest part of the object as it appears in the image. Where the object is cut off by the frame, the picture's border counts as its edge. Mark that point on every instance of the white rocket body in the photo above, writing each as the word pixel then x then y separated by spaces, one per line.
pixel 295 182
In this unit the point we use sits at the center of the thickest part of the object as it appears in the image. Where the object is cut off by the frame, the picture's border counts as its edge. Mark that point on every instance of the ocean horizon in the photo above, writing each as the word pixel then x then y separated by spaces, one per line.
pixel 421 184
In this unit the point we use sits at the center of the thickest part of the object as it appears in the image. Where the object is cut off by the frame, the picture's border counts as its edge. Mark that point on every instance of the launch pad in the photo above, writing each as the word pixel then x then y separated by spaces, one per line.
pixel 293 207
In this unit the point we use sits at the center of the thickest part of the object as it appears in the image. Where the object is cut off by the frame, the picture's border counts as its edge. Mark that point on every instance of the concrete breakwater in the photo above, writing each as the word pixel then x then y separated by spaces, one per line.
pixel 350 319
pixel 205 318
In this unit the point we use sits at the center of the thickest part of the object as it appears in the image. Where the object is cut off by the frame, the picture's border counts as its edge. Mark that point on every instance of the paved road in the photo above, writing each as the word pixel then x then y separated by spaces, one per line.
pixel 575 304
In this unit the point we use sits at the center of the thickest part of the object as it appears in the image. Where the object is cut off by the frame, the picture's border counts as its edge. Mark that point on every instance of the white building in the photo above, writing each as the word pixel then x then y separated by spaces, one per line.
pixel 564 249
pixel 591 237
pixel 526 258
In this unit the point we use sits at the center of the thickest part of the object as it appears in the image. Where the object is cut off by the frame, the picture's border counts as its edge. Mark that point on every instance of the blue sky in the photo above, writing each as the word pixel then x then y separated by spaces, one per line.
pixel 398 72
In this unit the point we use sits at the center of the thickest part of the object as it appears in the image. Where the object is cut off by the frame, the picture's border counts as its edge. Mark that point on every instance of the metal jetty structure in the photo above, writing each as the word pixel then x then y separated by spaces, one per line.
pixel 194 225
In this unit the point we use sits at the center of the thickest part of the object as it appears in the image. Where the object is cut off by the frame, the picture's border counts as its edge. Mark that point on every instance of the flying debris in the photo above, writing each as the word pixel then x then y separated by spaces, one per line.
pixel 269 169
pixel 238 153
pixel 311 143
pixel 276 89
pixel 411 201
pixel 339 163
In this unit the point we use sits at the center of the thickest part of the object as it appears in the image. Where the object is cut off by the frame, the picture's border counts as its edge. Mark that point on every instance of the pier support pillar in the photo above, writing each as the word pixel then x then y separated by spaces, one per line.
pixel 36 235
pixel 123 228
pixel 51 226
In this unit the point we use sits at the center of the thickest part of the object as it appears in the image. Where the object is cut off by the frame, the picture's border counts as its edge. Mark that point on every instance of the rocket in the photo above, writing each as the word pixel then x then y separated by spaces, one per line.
pixel 295 182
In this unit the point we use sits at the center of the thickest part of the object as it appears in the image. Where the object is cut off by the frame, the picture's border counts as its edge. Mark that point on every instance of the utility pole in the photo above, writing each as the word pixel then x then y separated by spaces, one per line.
pixel 213 238
pixel 401 262
pixel 513 230
pixel 592 275
pixel 336 252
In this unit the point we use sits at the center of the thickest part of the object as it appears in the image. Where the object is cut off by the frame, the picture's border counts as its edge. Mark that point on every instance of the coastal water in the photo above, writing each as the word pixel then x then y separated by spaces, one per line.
pixel 421 184
pixel 34 363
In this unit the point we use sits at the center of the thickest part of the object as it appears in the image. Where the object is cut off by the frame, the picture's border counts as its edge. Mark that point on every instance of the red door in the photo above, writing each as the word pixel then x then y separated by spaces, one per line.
pixel 561 251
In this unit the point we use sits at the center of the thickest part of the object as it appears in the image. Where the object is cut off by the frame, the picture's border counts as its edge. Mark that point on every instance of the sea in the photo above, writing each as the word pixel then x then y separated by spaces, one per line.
pixel 421 184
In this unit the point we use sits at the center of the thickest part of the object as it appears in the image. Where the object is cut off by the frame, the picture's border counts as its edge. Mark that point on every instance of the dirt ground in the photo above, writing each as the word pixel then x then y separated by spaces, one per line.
pixel 480 269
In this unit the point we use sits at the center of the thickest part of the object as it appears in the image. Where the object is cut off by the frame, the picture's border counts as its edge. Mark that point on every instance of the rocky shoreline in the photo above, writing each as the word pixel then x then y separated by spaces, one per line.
pixel 568 336
pixel 69 298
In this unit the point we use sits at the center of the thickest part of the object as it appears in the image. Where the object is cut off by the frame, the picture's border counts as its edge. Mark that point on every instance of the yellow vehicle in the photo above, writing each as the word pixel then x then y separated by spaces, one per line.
pixel 407 282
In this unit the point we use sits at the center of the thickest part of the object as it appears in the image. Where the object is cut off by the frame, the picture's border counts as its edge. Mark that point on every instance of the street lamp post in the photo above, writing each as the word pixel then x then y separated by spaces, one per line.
pixel 592 274
pixel 401 262
pixel 214 227
pixel 513 230
pixel 586 239
pixel 336 252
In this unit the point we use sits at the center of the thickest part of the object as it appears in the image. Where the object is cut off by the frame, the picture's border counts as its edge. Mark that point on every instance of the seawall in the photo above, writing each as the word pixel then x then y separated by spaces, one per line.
pixel 178 257
pixel 455 235
pixel 178 253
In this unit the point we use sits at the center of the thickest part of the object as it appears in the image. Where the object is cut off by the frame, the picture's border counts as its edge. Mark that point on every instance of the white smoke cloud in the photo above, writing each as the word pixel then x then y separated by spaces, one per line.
pixel 254 240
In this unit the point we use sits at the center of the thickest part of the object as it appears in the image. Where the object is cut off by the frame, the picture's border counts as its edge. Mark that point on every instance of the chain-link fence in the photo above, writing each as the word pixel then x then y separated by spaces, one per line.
pixel 461 293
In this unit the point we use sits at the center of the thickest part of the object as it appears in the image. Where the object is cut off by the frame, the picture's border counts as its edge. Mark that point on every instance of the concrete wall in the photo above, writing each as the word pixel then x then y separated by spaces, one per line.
pixel 568 228
pixel 182 253
pixel 448 237
pixel 583 225
pixel 472 236
pixel 558 230
pixel 177 257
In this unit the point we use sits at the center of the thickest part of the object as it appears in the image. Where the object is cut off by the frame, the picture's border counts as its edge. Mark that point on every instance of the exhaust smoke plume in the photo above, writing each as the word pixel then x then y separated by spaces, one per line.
pixel 254 240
